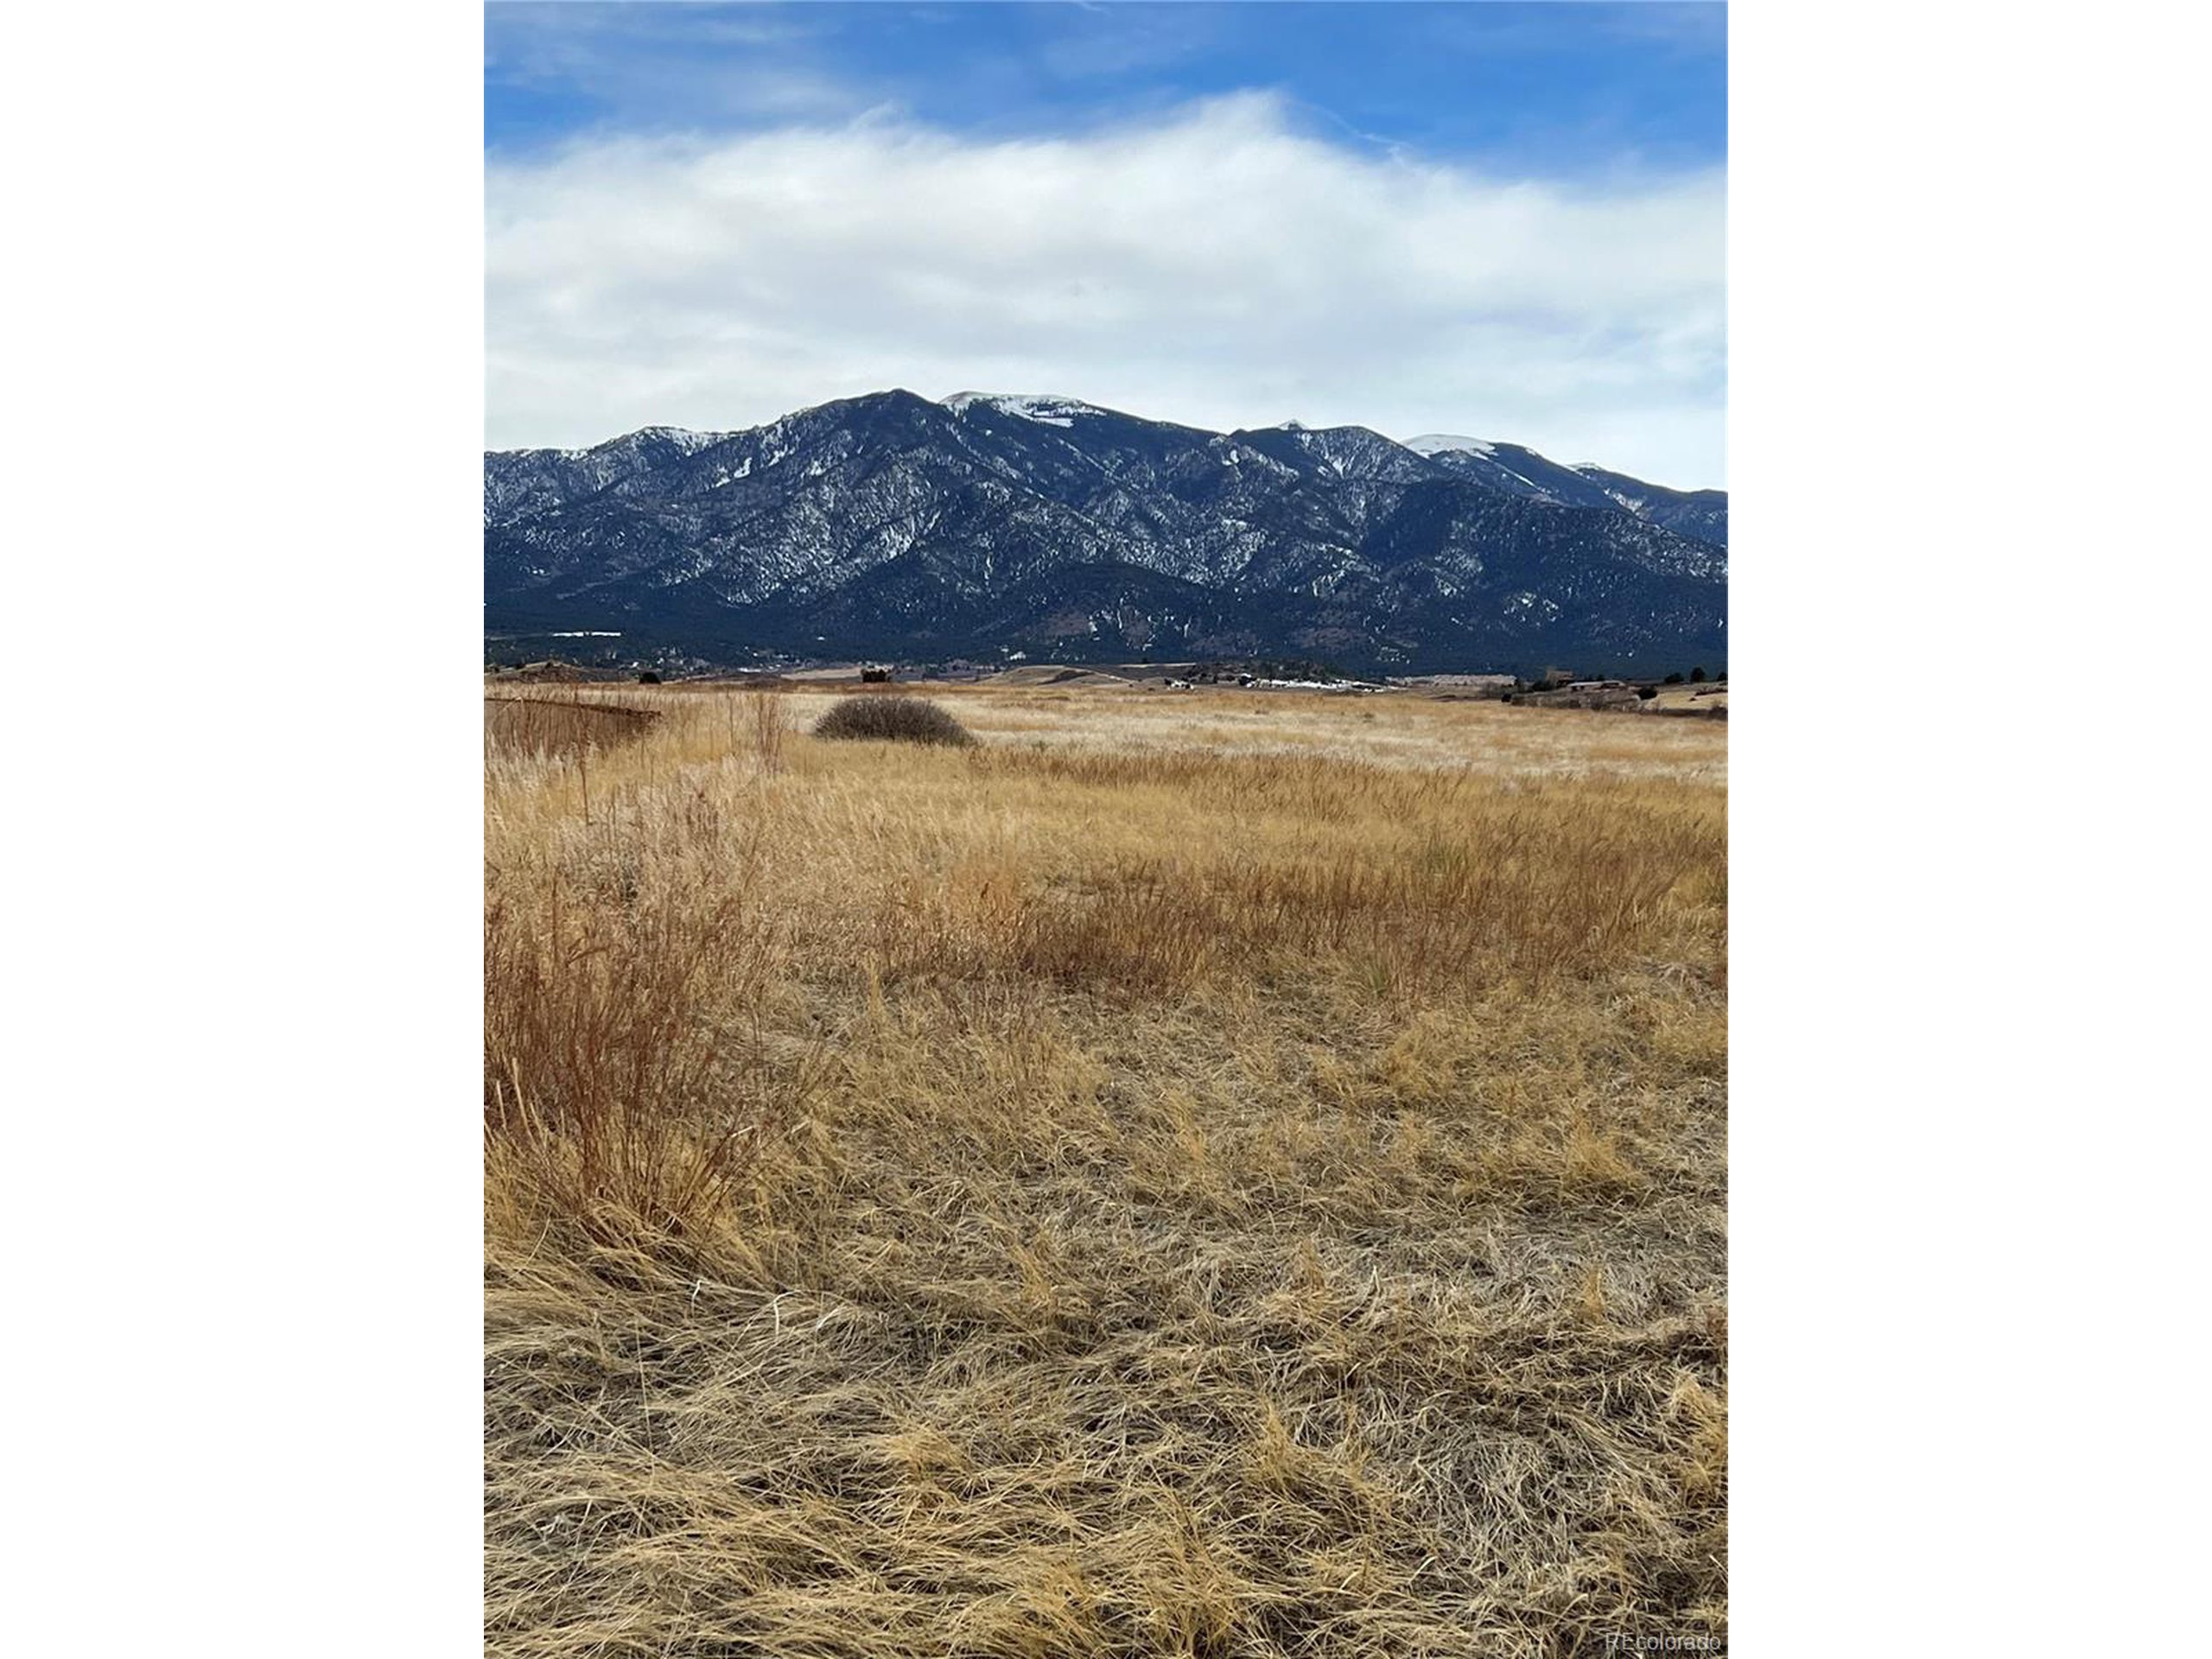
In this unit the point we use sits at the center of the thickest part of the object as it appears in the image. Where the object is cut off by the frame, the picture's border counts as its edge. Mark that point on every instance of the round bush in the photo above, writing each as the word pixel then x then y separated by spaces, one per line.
pixel 891 720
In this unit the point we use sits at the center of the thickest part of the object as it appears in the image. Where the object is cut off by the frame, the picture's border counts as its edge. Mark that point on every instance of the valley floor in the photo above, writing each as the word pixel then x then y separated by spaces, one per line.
pixel 1196 1173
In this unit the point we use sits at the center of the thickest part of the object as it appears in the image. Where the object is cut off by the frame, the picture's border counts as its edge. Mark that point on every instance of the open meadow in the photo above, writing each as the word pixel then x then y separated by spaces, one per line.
pixel 1205 1173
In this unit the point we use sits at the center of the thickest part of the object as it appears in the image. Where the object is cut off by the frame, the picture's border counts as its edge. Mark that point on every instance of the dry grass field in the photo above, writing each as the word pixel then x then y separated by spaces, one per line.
pixel 1202 1174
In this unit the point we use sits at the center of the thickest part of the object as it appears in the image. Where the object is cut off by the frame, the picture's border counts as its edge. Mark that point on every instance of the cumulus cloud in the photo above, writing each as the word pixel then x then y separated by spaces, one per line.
pixel 1218 266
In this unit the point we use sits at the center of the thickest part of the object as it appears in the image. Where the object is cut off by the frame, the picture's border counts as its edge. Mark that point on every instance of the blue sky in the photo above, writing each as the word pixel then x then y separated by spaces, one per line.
pixel 1567 161
pixel 1552 88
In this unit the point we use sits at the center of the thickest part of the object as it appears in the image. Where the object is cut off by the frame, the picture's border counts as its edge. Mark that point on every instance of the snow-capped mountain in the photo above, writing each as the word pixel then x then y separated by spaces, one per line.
pixel 985 524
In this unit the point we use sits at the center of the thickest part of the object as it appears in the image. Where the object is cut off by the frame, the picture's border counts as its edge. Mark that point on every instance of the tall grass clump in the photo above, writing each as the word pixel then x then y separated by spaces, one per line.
pixel 562 726
pixel 893 719
pixel 627 951
pixel 768 727
pixel 617 1074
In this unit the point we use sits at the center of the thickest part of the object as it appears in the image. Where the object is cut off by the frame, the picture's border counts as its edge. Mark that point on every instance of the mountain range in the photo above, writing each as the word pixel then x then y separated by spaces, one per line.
pixel 984 526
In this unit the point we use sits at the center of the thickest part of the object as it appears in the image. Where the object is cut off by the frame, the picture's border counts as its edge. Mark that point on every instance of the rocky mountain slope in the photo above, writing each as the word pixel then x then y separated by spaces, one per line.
pixel 983 525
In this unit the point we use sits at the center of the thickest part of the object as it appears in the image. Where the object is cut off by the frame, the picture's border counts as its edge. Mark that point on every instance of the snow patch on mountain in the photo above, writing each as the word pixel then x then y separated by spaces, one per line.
pixel 684 439
pixel 1043 410
pixel 1432 443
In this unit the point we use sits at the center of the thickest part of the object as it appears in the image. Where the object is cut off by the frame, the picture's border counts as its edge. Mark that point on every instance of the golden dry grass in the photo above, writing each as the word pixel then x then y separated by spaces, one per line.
pixel 1197 1174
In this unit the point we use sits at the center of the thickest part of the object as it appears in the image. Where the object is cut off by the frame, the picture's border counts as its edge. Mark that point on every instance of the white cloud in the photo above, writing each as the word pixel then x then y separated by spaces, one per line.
pixel 1219 267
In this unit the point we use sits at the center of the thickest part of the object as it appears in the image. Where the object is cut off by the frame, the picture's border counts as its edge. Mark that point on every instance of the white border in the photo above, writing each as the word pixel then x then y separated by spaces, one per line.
pixel 1968 347
pixel 245 411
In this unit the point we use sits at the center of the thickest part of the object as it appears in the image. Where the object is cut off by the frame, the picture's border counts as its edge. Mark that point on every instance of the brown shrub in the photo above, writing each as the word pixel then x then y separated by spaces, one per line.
pixel 893 719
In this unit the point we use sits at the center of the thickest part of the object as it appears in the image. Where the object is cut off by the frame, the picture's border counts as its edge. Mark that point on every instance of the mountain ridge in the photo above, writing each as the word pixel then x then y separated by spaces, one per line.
pixel 982 523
